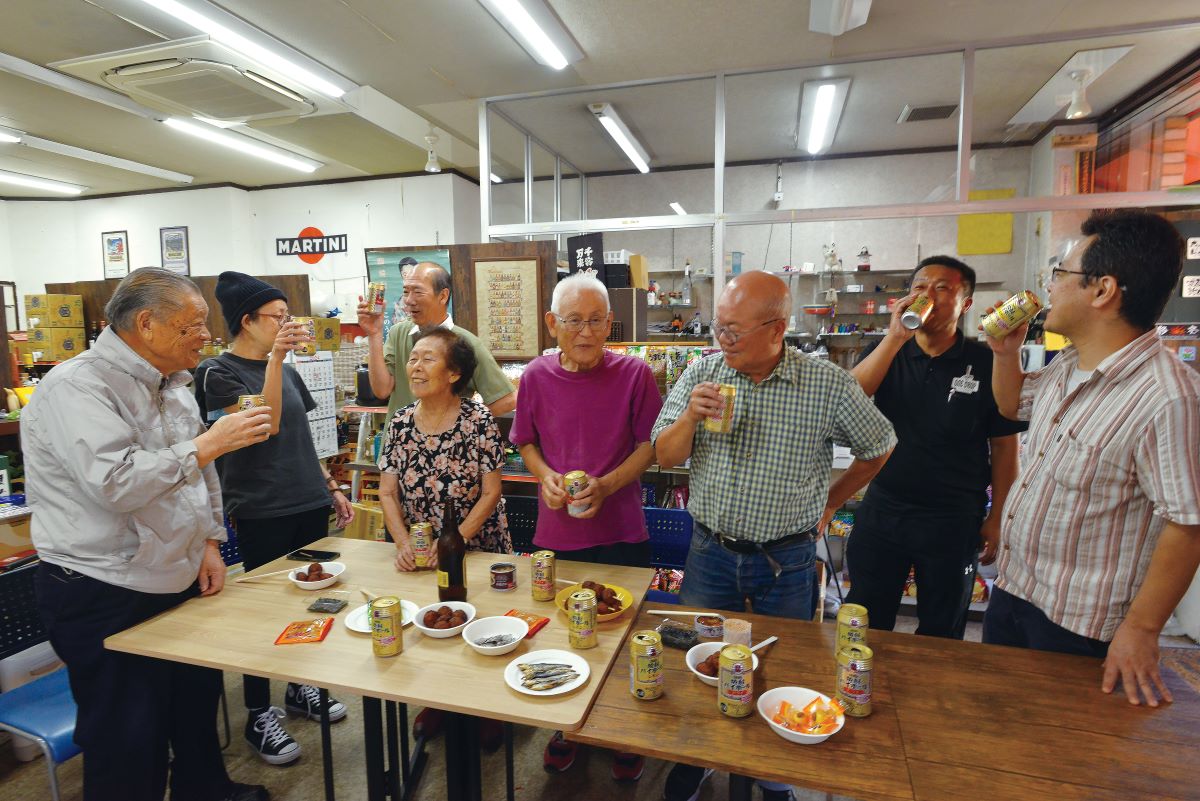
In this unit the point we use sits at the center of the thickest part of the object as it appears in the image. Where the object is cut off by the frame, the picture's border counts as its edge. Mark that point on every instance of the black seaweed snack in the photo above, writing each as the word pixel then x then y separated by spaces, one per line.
pixel 328 605
pixel 678 635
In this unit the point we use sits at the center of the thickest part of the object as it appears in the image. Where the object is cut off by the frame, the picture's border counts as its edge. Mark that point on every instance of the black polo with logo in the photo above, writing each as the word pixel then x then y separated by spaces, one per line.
pixel 944 414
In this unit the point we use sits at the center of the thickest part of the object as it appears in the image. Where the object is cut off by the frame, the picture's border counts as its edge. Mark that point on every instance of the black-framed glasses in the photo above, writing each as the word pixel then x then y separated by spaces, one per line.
pixel 720 331
pixel 1055 272
pixel 575 325
pixel 279 319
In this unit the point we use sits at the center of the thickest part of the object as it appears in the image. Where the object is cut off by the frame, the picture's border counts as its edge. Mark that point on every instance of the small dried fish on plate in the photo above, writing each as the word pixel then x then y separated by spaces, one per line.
pixel 546 675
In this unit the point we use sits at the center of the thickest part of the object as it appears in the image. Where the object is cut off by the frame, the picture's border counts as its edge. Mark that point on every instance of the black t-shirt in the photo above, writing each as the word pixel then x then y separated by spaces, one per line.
pixel 274 478
pixel 944 414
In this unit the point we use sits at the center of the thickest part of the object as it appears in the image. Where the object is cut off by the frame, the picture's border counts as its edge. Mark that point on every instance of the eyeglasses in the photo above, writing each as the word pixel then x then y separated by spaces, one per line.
pixel 720 331
pixel 575 325
pixel 279 319
pixel 1055 272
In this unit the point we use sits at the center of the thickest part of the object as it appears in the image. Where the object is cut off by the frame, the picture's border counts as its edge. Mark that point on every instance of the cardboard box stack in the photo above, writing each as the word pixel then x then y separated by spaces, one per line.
pixel 56 327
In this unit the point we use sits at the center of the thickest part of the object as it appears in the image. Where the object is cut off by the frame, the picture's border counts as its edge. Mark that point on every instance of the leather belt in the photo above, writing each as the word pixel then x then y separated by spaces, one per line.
pixel 750 546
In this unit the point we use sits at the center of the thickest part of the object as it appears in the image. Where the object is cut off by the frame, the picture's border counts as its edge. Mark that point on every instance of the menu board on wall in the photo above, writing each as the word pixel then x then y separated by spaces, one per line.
pixel 506 298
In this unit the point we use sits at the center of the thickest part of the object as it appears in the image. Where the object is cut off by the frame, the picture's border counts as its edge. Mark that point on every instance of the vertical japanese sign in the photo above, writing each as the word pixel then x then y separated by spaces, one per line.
pixel 586 252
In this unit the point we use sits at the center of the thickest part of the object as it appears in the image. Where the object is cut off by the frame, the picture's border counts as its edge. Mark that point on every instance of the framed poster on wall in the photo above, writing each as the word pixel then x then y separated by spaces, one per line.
pixel 506 306
pixel 114 246
pixel 174 245
pixel 390 265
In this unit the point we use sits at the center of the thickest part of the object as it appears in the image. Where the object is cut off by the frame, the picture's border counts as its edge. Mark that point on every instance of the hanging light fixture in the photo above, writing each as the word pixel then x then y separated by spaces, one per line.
pixel 1080 107
pixel 431 164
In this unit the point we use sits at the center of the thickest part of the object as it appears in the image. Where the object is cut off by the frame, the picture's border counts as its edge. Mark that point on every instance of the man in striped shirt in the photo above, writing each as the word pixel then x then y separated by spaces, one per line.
pixel 1101 533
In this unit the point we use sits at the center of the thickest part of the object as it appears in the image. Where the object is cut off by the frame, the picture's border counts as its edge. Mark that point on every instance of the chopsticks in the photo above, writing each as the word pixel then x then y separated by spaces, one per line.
pixel 263 575
pixel 676 613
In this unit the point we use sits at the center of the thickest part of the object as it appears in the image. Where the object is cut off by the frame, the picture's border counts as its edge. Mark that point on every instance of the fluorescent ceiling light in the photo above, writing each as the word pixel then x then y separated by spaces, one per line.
pixel 33 182
pixel 1060 90
pixel 835 17
pixel 677 208
pixel 537 29
pixel 236 41
pixel 244 144
pixel 621 134
pixel 9 136
pixel 103 158
pixel 496 179
pixel 820 113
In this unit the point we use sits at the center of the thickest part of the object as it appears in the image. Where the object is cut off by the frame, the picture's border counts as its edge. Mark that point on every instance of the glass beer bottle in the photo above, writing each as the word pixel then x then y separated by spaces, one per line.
pixel 451 558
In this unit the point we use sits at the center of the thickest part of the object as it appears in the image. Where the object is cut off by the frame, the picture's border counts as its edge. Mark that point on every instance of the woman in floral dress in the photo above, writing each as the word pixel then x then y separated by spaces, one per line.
pixel 443 446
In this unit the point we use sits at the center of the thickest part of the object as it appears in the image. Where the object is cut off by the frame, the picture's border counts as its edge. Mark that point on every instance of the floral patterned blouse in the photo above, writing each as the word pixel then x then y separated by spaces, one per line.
pixel 454 462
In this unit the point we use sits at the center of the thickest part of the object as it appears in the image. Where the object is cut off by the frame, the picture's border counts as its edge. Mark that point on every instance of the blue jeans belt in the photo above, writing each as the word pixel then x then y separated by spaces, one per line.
pixel 750 546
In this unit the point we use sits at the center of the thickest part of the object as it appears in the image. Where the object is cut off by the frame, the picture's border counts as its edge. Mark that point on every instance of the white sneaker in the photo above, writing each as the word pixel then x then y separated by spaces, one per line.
pixel 305 700
pixel 269 739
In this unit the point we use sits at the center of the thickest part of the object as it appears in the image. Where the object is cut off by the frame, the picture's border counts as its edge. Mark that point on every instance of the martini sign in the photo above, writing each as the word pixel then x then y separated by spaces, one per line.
pixel 311 245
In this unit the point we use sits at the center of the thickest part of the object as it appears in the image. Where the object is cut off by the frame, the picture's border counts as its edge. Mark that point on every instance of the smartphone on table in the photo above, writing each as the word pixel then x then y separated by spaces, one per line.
pixel 312 555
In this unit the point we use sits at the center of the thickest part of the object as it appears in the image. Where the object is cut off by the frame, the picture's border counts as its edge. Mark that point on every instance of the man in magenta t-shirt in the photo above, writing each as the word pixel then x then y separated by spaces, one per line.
pixel 591 410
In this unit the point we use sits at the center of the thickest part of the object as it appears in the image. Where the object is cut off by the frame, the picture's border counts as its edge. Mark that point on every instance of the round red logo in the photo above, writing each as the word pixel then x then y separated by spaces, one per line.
pixel 311 233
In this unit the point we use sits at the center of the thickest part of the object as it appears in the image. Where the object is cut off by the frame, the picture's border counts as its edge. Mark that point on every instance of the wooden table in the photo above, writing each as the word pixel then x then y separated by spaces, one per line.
pixel 951 719
pixel 236 629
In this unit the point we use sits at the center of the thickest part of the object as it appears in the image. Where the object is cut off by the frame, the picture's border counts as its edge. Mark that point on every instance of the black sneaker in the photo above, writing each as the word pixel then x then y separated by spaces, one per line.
pixel 246 792
pixel 269 739
pixel 684 782
pixel 777 795
pixel 305 700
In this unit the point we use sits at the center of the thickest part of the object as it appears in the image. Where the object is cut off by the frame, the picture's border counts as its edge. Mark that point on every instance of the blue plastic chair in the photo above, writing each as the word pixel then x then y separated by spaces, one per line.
pixel 44 711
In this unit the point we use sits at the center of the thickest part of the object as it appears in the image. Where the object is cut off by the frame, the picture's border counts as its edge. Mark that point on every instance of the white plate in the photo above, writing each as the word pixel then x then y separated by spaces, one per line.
pixel 356 620
pixel 512 674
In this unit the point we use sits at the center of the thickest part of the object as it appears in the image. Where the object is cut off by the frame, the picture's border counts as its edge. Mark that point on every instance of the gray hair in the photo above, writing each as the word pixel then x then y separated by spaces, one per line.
pixel 582 281
pixel 161 291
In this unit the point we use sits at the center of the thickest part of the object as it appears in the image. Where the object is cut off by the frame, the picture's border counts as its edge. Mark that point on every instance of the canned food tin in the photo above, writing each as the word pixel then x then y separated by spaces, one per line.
pixel 1010 314
pixel 724 423
pixel 310 331
pixel 852 621
pixel 504 576
pixel 710 626
pixel 541 576
pixel 581 620
pixel 645 665
pixel 386 626
pixel 854 680
pixel 576 481
pixel 420 537
pixel 251 401
pixel 735 688
pixel 917 313
pixel 375 297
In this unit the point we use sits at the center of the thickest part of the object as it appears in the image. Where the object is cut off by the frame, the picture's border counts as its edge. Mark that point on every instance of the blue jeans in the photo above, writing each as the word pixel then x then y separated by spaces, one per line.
pixel 717 578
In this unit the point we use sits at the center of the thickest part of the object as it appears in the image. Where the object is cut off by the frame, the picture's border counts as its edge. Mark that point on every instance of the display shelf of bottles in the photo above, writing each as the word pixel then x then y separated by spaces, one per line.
pixel 671 306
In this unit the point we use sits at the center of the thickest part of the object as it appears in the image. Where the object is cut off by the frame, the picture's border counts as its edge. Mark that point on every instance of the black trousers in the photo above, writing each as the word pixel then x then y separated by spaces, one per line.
pixel 626 554
pixel 1010 620
pixel 263 540
pixel 132 709
pixel 942 551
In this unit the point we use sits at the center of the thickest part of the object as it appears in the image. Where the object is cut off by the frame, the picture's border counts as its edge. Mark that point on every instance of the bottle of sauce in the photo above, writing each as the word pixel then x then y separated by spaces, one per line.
pixel 451 558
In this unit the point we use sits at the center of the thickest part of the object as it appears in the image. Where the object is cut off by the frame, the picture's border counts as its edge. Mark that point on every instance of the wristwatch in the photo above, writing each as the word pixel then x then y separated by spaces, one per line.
pixel 332 484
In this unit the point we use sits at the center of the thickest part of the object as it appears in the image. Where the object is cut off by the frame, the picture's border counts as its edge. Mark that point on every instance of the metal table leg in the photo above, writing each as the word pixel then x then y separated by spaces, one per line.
pixel 463 779
pixel 326 743
pixel 395 770
pixel 373 748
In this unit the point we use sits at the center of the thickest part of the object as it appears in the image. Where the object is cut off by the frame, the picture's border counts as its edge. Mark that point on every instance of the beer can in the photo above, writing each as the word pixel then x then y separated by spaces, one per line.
pixel 854 680
pixel 420 536
pixel 310 331
pixel 541 576
pixel 917 313
pixel 375 297
pixel 645 665
pixel 576 482
pixel 852 624
pixel 581 620
pixel 386 626
pixel 735 688
pixel 1011 314
pixel 724 423
pixel 251 401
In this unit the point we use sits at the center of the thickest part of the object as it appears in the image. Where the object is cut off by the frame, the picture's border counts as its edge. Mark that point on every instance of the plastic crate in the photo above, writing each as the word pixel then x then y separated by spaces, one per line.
pixel 522 512
pixel 231 554
pixel 670 536
pixel 20 624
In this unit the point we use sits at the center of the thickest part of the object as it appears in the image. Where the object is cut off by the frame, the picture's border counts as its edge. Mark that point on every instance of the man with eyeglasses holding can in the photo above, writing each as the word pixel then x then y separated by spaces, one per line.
pixel 586 408
pixel 761 491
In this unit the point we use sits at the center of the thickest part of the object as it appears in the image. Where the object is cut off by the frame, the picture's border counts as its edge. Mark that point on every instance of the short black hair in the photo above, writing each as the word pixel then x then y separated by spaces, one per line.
pixel 1143 252
pixel 968 274
pixel 460 356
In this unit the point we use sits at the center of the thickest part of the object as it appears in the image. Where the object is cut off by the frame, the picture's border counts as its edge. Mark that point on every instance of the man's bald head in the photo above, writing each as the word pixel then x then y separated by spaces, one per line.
pixel 764 295
pixel 433 273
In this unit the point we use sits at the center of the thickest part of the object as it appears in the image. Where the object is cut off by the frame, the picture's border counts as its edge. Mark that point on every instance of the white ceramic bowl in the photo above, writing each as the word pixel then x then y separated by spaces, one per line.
pixel 698 653
pixel 441 634
pixel 337 569
pixel 491 626
pixel 799 697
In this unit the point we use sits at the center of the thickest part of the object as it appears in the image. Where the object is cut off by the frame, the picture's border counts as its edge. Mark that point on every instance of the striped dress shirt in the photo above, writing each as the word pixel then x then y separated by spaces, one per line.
pixel 769 476
pixel 1103 469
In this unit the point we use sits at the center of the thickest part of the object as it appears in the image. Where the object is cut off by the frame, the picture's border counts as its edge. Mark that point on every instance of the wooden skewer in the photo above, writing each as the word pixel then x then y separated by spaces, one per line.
pixel 764 643
pixel 263 575
pixel 675 612
pixel 567 581
pixel 370 596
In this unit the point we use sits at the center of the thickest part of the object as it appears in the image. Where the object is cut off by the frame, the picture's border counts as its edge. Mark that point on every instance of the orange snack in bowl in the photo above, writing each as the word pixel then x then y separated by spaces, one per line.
pixel 818 717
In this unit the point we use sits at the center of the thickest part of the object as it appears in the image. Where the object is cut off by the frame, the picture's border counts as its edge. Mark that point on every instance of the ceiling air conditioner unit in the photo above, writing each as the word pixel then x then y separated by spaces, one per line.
pixel 197 77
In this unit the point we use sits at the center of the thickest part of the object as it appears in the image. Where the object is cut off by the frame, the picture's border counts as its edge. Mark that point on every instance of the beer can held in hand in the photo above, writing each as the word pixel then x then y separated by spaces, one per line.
pixel 251 401
pixel 1010 314
pixel 724 423
pixel 375 297
pixel 576 482
pixel 917 313
pixel 310 331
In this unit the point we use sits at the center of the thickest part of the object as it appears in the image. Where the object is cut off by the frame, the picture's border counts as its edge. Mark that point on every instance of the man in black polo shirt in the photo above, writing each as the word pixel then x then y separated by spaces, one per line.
pixel 926 508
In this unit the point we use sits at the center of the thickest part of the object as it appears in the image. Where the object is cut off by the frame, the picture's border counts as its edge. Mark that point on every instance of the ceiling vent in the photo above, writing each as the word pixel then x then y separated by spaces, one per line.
pixel 197 77
pixel 927 113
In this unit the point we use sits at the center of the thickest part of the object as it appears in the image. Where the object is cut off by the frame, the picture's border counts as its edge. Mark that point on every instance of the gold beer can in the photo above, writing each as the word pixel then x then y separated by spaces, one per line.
pixel 724 423
pixel 420 536
pixel 581 620
pixel 384 614
pixel 251 401
pixel 645 665
pixel 917 313
pixel 735 688
pixel 1011 314
pixel 852 622
pixel 310 331
pixel 854 680
pixel 375 297
pixel 576 482
pixel 541 579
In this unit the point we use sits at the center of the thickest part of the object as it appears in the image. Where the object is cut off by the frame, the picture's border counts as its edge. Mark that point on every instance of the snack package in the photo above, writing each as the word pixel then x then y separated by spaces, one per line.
pixel 678 635
pixel 327 605
pixel 313 630
pixel 535 621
